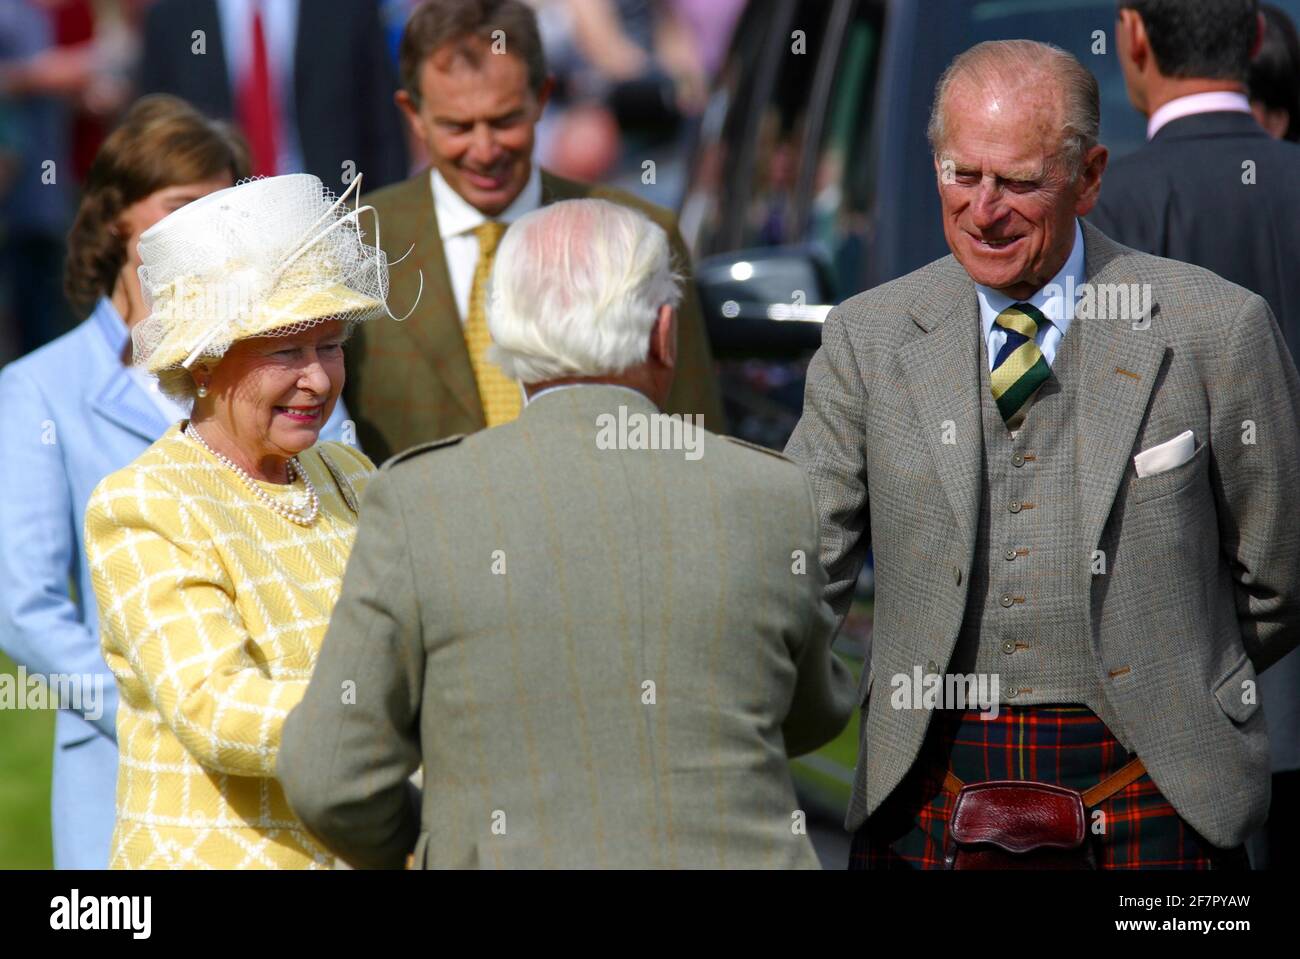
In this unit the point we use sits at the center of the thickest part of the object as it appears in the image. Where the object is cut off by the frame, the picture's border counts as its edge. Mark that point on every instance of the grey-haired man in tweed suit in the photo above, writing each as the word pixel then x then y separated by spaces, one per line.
pixel 602 646
pixel 1011 441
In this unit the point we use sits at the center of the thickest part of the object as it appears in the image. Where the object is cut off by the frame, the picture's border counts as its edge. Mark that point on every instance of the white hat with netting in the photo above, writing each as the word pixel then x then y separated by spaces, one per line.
pixel 271 256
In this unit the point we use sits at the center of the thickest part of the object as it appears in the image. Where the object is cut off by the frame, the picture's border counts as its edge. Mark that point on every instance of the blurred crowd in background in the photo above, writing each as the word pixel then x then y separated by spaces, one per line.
pixel 632 78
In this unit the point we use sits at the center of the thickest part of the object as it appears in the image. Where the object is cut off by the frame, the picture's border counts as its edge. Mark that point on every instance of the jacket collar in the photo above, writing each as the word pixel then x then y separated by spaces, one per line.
pixel 117 397
pixel 1220 123
pixel 594 396
pixel 585 408
pixel 435 326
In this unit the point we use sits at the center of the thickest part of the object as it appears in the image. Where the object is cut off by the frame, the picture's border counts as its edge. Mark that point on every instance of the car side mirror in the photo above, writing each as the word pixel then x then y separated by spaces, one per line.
pixel 764 301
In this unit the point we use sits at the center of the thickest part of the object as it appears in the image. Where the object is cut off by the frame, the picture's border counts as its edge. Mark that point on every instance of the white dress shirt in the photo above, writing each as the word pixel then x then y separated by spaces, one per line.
pixel 1216 101
pixel 1056 301
pixel 280 29
pixel 457 221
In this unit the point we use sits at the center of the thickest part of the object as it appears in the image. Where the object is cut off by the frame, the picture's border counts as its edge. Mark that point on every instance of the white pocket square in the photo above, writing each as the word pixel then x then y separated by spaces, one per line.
pixel 1166 456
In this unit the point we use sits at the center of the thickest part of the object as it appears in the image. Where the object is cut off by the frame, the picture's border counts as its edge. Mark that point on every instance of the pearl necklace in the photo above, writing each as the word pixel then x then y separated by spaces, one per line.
pixel 308 503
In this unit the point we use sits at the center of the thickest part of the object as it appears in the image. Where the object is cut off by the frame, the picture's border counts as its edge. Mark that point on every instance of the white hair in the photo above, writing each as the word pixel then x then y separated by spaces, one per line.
pixel 575 290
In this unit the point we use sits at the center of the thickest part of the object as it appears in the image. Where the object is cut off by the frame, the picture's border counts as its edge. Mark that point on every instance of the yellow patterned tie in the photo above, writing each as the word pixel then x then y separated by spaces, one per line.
pixel 501 397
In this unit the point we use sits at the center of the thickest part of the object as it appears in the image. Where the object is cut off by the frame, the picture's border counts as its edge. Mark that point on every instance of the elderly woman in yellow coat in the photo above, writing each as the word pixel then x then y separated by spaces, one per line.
pixel 217 556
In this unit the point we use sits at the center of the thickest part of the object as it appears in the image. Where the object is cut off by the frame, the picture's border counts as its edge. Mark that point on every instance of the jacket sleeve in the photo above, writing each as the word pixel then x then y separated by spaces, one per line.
pixel 828 442
pixel 352 744
pixel 824 688
pixel 170 625
pixel 40 624
pixel 1255 455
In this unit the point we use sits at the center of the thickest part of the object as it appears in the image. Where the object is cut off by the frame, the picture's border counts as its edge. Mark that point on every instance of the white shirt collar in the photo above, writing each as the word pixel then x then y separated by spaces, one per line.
pixel 457 217
pixel 1056 299
pixel 1216 101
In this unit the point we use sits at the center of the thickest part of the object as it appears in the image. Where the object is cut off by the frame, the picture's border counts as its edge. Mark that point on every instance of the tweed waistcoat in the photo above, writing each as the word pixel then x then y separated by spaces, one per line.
pixel 1027 610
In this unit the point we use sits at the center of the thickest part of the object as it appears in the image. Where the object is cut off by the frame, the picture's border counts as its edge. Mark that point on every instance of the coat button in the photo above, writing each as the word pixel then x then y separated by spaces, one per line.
pixel 1018 459
pixel 1015 506
pixel 1006 599
pixel 1008 647
pixel 1010 555
pixel 956 572
pixel 932 667
pixel 1012 691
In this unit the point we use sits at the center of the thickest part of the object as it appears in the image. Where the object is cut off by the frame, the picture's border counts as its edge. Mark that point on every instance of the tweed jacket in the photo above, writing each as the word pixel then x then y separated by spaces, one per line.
pixel 1199 585
pixel 411 382
pixel 603 657
pixel 212 609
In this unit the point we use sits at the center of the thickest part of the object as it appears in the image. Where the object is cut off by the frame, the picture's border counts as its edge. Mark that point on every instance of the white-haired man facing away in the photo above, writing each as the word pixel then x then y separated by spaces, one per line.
pixel 601 633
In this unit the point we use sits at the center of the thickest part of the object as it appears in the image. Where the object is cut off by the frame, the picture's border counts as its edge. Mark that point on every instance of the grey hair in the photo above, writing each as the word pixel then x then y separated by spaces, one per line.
pixel 994 61
pixel 575 291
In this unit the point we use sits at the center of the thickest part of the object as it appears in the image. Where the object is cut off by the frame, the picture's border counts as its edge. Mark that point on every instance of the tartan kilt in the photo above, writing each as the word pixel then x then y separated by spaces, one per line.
pixel 1063 745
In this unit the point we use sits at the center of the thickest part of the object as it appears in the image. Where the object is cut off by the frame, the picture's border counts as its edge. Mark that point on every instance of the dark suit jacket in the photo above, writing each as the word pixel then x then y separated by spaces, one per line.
pixel 343 82
pixel 1182 196
pixel 411 382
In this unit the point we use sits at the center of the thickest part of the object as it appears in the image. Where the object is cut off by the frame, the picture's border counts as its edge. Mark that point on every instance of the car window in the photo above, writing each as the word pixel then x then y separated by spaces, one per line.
pixel 844 176
pixel 712 208
pixel 782 129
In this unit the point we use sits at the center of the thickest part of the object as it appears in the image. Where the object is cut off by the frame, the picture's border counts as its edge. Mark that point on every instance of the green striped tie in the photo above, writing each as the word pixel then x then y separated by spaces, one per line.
pixel 1020 368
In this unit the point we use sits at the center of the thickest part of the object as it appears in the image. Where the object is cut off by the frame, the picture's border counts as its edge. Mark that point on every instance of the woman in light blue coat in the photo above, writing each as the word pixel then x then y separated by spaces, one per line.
pixel 71 413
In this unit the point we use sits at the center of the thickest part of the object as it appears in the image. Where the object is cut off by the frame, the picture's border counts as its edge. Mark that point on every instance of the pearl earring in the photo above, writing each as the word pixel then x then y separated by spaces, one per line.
pixel 202 391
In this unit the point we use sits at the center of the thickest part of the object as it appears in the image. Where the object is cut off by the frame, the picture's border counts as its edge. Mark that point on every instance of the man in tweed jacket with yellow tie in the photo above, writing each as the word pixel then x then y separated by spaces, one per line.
pixel 474 86
pixel 1097 508
pixel 602 648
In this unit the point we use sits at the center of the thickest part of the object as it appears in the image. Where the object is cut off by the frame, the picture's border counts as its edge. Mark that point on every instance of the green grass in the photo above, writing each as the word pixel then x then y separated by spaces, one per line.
pixel 26 752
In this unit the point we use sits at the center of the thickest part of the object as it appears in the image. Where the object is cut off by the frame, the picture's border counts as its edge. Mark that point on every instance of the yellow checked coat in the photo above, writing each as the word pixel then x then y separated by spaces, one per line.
pixel 411 382
pixel 212 611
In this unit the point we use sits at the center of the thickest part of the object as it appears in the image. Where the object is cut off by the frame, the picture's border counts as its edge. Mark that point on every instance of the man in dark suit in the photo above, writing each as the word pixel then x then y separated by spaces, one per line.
pixel 474 84
pixel 1211 188
pixel 311 85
